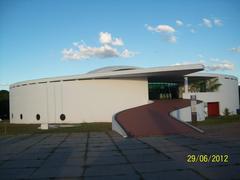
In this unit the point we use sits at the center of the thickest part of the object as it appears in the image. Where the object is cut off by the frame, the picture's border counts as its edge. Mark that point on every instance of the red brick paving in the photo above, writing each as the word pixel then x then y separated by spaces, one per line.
pixel 154 119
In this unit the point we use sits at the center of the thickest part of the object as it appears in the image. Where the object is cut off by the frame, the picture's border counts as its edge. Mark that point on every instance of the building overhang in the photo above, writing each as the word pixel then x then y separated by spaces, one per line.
pixel 168 74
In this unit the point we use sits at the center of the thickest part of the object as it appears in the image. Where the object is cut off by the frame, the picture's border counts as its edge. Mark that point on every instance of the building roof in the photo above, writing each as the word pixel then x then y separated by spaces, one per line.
pixel 113 68
pixel 168 73
pixel 210 75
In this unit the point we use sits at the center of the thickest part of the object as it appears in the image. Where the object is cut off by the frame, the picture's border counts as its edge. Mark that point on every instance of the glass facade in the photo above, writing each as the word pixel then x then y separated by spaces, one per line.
pixel 162 90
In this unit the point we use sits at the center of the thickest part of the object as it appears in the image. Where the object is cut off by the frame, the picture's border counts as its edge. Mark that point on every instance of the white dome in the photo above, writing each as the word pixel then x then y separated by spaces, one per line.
pixel 113 68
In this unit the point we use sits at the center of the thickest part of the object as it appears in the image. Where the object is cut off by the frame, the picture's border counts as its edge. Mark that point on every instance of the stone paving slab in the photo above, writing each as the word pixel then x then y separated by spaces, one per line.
pixel 63 171
pixel 32 156
pixel 222 172
pixel 134 158
pixel 15 173
pixel 159 166
pixel 124 169
pixel 106 160
pixel 64 162
pixel 103 153
pixel 186 174
pixel 22 164
pixel 120 177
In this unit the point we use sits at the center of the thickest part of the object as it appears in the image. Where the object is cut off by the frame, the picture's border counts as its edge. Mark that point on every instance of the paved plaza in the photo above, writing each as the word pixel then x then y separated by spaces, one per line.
pixel 106 155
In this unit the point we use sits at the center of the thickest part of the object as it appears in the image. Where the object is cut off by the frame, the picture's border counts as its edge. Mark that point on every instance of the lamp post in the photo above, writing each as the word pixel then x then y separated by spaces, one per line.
pixel 193 108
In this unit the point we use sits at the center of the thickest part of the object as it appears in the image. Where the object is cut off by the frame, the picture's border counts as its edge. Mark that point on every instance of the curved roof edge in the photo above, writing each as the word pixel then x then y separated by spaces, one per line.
pixel 113 68
pixel 121 72
pixel 206 74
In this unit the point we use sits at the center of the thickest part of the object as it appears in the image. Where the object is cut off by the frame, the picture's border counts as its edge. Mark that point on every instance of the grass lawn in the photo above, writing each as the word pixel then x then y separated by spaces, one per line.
pixel 10 129
pixel 219 120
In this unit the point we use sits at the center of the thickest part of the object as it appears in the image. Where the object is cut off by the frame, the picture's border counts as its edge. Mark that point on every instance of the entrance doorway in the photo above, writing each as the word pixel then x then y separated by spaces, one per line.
pixel 213 109
pixel 162 90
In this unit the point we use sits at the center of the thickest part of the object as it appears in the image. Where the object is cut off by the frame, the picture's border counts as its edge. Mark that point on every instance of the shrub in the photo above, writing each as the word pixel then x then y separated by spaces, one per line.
pixel 226 112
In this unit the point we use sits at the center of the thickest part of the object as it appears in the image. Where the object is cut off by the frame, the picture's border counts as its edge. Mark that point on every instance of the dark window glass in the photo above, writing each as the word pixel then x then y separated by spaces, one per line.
pixel 62 117
pixel 38 117
pixel 21 116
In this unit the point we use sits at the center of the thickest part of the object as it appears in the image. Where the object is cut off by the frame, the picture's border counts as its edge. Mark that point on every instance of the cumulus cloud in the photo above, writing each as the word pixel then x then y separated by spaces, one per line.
pixel 106 38
pixel 218 22
pixel 207 22
pixel 86 52
pixel 220 66
pixel 236 49
pixel 212 64
pixel 127 54
pixel 166 31
pixel 106 50
pixel 161 28
pixel 179 23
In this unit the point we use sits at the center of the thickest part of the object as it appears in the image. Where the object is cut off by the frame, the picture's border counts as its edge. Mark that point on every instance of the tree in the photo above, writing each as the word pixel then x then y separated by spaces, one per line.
pixel 210 85
pixel 4 104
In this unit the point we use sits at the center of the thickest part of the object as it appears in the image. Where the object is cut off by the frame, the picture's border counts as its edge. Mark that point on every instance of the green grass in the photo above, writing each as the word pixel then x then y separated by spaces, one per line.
pixel 219 120
pixel 12 129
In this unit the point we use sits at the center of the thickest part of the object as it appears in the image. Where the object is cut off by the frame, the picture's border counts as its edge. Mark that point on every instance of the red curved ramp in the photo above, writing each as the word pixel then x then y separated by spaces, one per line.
pixel 153 119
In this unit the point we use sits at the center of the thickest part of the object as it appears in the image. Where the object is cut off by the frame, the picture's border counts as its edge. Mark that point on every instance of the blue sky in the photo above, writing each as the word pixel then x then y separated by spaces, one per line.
pixel 50 38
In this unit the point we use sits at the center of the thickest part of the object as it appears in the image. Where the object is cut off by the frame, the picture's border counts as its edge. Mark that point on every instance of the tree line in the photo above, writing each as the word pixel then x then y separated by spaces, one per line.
pixel 4 104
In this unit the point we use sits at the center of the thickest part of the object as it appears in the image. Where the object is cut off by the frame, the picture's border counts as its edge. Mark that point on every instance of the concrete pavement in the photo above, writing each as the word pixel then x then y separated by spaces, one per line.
pixel 106 155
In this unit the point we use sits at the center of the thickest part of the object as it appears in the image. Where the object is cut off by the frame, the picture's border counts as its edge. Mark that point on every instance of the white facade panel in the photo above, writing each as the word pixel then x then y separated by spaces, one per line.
pixel 184 114
pixel 80 100
pixel 29 101
pixel 227 94
pixel 51 101
pixel 98 100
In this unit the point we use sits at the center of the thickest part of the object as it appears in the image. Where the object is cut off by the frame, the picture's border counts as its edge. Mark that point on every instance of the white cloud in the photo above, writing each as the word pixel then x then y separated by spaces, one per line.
pixel 212 64
pixel 179 23
pixel 236 49
pixel 75 43
pixel 172 39
pixel 192 30
pixel 86 52
pixel 167 32
pixel 106 38
pixel 218 22
pixel 207 22
pixel 161 28
pixel 117 42
pixel 220 66
pixel 127 54
pixel 183 63
pixel 106 50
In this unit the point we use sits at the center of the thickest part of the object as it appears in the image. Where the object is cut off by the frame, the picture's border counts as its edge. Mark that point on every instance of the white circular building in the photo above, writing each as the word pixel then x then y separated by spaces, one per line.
pixel 98 95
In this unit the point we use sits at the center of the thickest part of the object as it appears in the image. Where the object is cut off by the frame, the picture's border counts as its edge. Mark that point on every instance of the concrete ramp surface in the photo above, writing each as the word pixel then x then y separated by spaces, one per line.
pixel 154 119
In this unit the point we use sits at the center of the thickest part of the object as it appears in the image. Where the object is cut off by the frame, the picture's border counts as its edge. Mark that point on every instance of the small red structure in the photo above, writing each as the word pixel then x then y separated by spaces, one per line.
pixel 213 109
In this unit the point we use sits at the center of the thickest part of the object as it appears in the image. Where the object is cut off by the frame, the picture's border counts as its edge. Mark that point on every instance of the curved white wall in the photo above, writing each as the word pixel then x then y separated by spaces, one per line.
pixel 227 94
pixel 80 100
pixel 184 114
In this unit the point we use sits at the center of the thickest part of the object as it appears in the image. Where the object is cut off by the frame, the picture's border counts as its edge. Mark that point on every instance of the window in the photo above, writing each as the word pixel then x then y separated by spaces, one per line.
pixel 62 117
pixel 38 117
pixel 21 116
pixel 12 115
